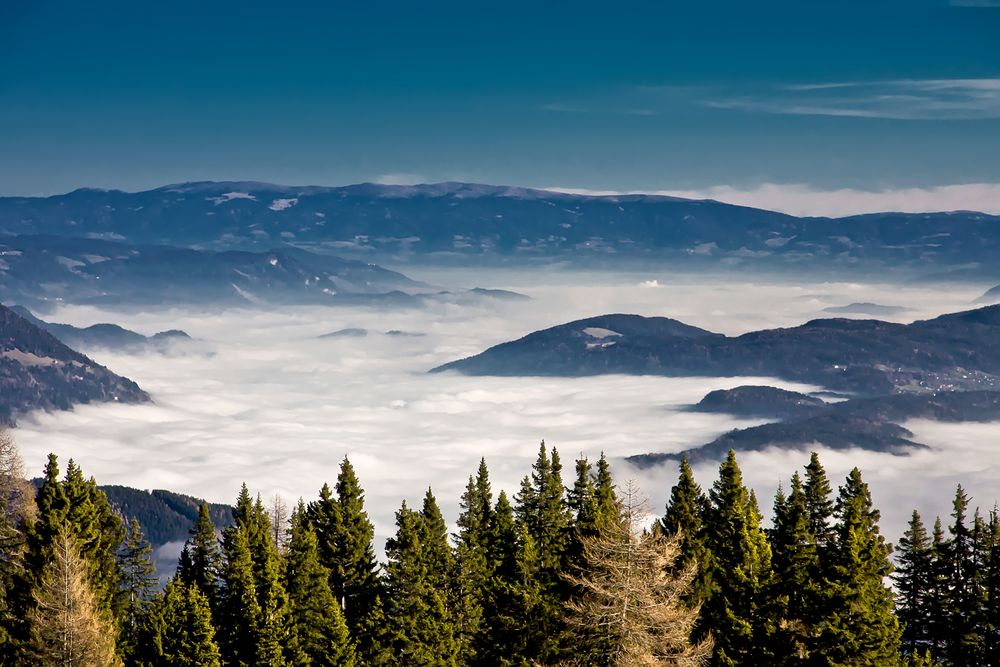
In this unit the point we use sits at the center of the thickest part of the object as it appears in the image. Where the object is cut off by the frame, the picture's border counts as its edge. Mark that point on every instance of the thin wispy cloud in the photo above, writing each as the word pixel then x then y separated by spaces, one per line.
pixel 907 99
pixel 807 200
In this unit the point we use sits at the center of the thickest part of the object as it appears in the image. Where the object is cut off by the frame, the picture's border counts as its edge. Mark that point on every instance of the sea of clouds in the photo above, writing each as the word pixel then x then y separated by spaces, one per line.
pixel 261 398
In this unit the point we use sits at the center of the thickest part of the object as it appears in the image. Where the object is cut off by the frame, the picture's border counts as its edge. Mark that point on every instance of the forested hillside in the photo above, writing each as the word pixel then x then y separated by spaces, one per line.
pixel 571 570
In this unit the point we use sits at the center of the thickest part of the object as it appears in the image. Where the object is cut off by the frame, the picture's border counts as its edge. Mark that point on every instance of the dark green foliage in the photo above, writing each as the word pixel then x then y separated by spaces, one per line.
pixel 136 589
pixel 473 562
pixel 316 618
pixel 914 591
pixel 684 515
pixel 201 562
pixel 421 627
pixel 346 549
pixel 860 627
pixel 186 636
pixel 735 613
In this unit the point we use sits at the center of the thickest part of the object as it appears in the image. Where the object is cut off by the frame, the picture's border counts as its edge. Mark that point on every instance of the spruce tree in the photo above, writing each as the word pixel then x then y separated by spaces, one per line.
pixel 608 505
pixel 938 592
pixel 420 628
pixel 819 503
pixel 796 564
pixel 991 583
pixel 961 639
pixel 914 586
pixel 860 628
pixel 317 620
pixel 473 561
pixel 684 516
pixel 137 589
pixel 186 634
pixel 736 611
pixel 202 564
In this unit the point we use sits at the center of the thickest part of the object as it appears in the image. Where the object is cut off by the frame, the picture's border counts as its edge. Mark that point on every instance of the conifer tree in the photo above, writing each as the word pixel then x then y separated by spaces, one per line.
pixel 541 508
pixel 736 611
pixel 962 638
pixel 17 513
pixel 860 628
pixel 346 549
pixel 421 632
pixel 608 505
pixel 512 593
pixel 938 592
pixel 318 624
pixel 186 636
pixel 137 588
pixel 241 621
pixel 819 503
pixel 684 516
pixel 914 586
pixel 991 583
pixel 473 561
pixel 582 499
pixel 68 627
pixel 631 611
pixel 796 566
pixel 202 565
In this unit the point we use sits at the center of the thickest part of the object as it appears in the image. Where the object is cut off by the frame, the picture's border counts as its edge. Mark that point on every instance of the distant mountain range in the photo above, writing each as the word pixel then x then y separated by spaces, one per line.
pixel 869 357
pixel 37 371
pixel 468 222
pixel 865 423
pixel 41 271
pixel 104 335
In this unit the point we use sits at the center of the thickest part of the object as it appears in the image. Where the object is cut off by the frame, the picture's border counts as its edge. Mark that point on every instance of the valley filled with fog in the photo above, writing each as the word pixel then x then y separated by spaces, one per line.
pixel 259 396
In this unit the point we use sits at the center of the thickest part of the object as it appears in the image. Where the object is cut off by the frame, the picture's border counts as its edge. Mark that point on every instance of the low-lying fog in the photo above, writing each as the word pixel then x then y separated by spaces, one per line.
pixel 273 405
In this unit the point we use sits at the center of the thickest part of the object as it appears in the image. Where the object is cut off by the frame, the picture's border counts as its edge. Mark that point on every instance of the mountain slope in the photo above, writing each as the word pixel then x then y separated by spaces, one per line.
pixel 38 372
pixel 956 351
pixel 102 335
pixel 463 220
pixel 39 269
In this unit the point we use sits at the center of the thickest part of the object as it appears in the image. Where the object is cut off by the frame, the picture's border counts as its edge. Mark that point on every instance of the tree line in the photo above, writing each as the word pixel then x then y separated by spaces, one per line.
pixel 560 574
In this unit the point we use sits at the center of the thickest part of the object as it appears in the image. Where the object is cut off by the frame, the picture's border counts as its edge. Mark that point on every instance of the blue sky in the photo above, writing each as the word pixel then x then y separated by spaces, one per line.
pixel 607 96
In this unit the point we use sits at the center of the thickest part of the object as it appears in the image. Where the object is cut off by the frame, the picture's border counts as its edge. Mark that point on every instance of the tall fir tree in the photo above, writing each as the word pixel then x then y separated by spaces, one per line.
pixel 317 620
pixel 914 586
pixel 421 632
pixel 201 562
pixel 736 611
pixel 962 639
pixel 796 565
pixel 186 635
pixel 137 589
pixel 938 592
pixel 860 627
pixel 473 563
pixel 991 584
pixel 684 516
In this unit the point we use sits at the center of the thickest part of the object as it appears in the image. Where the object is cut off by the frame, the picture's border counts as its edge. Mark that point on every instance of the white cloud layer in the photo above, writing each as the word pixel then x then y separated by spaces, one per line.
pixel 806 200
pixel 278 408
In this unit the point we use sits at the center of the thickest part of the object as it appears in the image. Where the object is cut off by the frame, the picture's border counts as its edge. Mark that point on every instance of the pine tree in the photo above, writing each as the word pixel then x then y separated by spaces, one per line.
pixel 68 627
pixel 961 639
pixel 346 549
pixel 938 592
pixel 860 628
pixel 913 579
pixel 186 636
pixel 201 567
pixel 796 565
pixel 317 620
pixel 736 611
pixel 241 621
pixel 684 516
pixel 17 513
pixel 421 631
pixel 473 562
pixel 819 503
pixel 137 588
pixel 608 505
pixel 512 593
pixel 541 508
pixel 991 584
